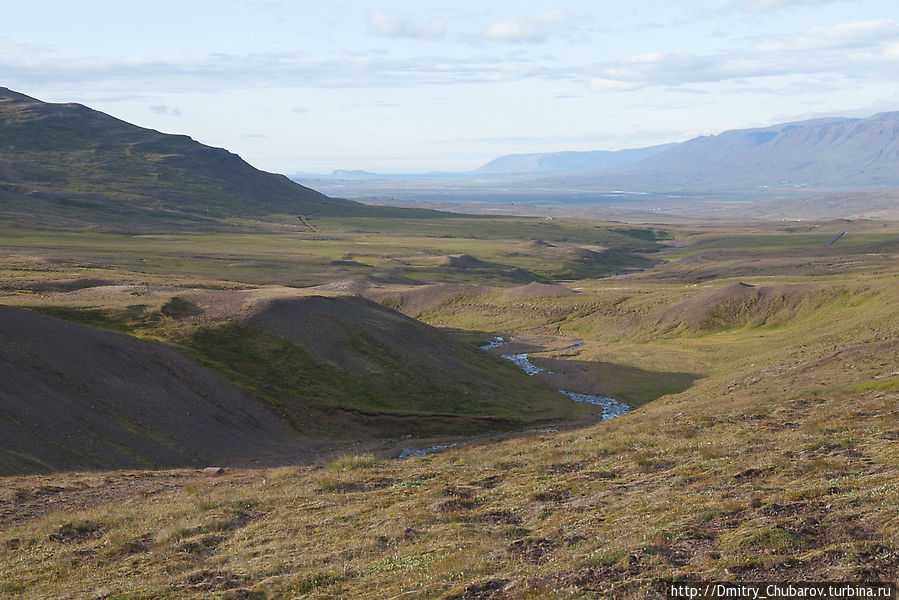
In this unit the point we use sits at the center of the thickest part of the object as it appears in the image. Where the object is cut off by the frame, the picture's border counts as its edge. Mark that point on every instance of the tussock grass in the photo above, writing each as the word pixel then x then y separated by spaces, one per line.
pixel 353 461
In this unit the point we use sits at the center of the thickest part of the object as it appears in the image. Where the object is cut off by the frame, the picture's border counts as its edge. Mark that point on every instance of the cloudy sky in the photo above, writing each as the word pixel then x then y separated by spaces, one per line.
pixel 403 86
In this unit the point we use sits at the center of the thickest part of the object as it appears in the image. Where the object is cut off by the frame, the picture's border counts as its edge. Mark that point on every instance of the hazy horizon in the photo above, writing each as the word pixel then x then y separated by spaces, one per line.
pixel 403 87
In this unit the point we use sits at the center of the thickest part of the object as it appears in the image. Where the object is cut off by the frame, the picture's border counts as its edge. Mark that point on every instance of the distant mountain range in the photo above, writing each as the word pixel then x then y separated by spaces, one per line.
pixel 66 164
pixel 567 162
pixel 837 152
pixel 820 153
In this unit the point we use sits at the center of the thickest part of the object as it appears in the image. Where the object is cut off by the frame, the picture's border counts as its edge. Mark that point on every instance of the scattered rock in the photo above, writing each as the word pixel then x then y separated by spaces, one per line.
pixel 76 531
pixel 242 594
pixel 481 590
pixel 505 517
pixel 534 550
pixel 551 495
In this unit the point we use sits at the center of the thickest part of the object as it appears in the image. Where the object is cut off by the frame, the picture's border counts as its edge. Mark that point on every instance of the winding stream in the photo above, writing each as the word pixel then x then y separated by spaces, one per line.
pixel 496 342
pixel 409 452
pixel 610 406
pixel 524 362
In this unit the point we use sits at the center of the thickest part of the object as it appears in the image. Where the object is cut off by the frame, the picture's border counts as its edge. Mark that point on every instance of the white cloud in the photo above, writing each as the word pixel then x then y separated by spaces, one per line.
pixel 757 6
pixel 263 4
pixel 162 109
pixel 600 84
pixel 393 26
pixel 387 25
pixel 23 53
pixel 837 36
pixel 849 50
pixel 530 30
pixel 220 72
pixel 866 50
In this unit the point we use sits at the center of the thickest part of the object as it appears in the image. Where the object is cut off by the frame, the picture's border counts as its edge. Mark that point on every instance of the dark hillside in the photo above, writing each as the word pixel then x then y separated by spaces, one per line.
pixel 66 164
pixel 75 397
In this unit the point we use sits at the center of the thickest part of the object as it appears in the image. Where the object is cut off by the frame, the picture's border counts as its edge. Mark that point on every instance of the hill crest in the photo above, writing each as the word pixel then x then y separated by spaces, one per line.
pixel 67 164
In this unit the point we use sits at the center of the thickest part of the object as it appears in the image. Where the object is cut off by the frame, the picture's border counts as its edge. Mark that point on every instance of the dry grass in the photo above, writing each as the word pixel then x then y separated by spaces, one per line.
pixel 762 487
pixel 780 460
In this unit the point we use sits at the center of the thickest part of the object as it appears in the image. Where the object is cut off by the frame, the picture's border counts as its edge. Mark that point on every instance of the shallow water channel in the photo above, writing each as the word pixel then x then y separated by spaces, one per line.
pixel 610 406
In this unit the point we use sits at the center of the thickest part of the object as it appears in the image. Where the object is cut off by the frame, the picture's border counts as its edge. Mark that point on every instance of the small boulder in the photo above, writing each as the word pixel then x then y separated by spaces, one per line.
pixel 213 470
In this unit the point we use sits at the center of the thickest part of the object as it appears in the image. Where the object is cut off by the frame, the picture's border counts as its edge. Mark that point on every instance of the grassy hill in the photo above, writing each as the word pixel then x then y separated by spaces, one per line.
pixel 367 370
pixel 274 385
pixel 68 165
pixel 260 307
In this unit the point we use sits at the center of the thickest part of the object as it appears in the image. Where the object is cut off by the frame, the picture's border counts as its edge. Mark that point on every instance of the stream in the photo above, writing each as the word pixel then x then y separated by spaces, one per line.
pixel 409 452
pixel 496 342
pixel 610 406
pixel 524 362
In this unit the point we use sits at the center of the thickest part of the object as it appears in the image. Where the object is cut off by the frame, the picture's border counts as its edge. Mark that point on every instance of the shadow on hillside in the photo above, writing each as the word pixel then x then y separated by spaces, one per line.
pixel 629 384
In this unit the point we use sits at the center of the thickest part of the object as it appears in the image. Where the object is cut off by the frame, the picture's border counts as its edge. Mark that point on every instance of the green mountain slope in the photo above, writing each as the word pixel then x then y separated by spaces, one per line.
pixel 378 360
pixel 66 164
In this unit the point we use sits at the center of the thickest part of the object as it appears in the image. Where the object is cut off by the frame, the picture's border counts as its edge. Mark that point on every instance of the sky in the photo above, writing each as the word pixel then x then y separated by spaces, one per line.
pixel 401 86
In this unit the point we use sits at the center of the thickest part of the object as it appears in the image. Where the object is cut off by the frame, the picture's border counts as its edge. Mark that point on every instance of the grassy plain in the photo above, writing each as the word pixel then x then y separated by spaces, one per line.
pixel 287 253
pixel 763 363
